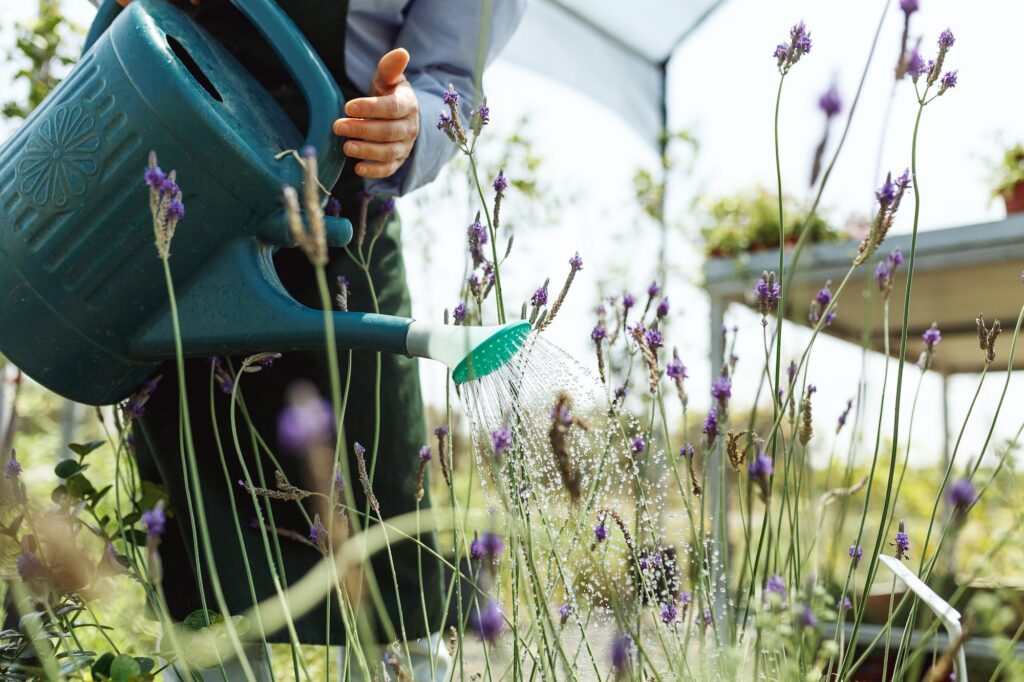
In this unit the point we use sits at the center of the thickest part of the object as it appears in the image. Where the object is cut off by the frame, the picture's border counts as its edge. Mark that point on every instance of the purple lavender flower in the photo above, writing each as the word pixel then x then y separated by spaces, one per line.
pixel 807 618
pixel 767 291
pixel 841 422
pixel 705 619
pixel 830 102
pixel 902 543
pixel 441 431
pixel 638 444
pixel 477 233
pixel 425 454
pixel 710 429
pixel 931 337
pixel 761 467
pixel 628 301
pixel 493 544
pixel 685 598
pixel 154 177
pixel 155 520
pixel 908 6
pixel 961 495
pixel 654 339
pixel 622 651
pixel 881 275
pixel 601 531
pixel 169 187
pixel 721 390
pixel 801 38
pixel 500 183
pixel 780 53
pixel 653 289
pixel 477 550
pixel 576 263
pixel 830 317
pixel 598 333
pixel 948 81
pixel 916 66
pixel 317 532
pixel 489 621
pixel 669 614
pixel 484 113
pixel 686 451
pixel 444 121
pixel 29 566
pixel 946 39
pixel 895 258
pixel 776 585
pixel 675 368
pixel 501 439
pixel 176 210
pixel 540 297
pixel 333 207
pixel 856 552
pixel 565 613
pixel 13 467
pixel 621 392
pixel 449 96
pixel 662 310
pixel 307 420
pixel 824 296
pixel 459 314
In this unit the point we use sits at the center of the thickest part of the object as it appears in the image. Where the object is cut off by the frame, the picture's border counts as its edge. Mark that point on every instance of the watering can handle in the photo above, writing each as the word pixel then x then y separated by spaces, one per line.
pixel 322 95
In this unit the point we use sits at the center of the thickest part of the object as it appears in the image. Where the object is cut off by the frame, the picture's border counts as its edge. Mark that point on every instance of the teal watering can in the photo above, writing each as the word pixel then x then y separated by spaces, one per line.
pixel 83 301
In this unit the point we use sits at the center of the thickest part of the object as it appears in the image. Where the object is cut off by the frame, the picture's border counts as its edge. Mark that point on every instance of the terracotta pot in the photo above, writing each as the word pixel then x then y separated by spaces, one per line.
pixel 1015 200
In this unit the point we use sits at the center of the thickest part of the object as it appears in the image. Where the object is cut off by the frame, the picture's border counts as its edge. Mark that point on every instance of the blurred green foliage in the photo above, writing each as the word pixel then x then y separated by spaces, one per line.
pixel 749 221
pixel 43 52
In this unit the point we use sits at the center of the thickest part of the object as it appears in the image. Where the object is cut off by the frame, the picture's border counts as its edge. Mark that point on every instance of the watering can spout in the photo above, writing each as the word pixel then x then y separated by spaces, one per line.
pixel 469 352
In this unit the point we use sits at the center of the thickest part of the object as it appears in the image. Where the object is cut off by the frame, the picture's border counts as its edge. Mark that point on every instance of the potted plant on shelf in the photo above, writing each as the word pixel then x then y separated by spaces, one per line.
pixel 1009 179
pixel 748 222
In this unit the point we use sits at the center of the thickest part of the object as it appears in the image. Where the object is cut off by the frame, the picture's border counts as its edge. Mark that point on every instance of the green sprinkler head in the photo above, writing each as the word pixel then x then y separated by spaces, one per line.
pixel 469 352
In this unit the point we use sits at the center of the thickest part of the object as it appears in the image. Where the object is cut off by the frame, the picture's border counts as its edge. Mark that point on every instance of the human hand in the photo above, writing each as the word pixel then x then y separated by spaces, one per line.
pixel 383 127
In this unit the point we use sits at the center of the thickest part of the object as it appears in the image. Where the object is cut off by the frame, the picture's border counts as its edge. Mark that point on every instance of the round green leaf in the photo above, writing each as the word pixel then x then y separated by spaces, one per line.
pixel 123 668
pixel 67 468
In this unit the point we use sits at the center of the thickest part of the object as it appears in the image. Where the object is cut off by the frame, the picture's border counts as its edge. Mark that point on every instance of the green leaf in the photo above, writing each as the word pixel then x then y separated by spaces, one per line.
pixel 131 519
pixel 67 468
pixel 123 668
pixel 136 537
pixel 197 620
pixel 79 486
pixel 146 664
pixel 83 449
pixel 101 668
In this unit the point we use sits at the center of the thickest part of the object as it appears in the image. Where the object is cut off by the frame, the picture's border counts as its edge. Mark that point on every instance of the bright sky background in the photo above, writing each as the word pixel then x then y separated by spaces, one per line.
pixel 722 87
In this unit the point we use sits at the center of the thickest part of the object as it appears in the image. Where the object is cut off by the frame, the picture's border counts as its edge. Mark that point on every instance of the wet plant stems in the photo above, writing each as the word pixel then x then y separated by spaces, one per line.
pixel 200 507
pixel 873 559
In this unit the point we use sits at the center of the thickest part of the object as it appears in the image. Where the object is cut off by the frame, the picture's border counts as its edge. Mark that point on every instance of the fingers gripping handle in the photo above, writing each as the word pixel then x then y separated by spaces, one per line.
pixel 315 82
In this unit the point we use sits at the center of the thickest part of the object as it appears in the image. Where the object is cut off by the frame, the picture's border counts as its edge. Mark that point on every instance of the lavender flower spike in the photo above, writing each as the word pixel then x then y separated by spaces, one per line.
pixel 902 543
pixel 961 495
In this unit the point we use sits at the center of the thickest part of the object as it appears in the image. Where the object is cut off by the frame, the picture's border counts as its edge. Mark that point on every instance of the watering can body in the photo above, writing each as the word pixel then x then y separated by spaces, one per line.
pixel 83 298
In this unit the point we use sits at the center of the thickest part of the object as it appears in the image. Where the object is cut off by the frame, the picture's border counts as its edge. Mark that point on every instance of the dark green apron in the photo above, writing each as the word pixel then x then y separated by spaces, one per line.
pixel 402 428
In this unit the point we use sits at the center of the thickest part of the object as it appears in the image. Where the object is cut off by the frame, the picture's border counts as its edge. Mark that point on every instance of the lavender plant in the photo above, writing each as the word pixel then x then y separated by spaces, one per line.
pixel 579 538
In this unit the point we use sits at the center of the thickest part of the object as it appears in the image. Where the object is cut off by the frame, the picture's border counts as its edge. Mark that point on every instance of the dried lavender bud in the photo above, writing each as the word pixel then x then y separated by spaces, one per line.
pixel 856 552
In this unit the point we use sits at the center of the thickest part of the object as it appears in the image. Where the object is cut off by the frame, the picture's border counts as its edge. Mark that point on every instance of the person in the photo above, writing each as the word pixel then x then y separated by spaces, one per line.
pixel 392 59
